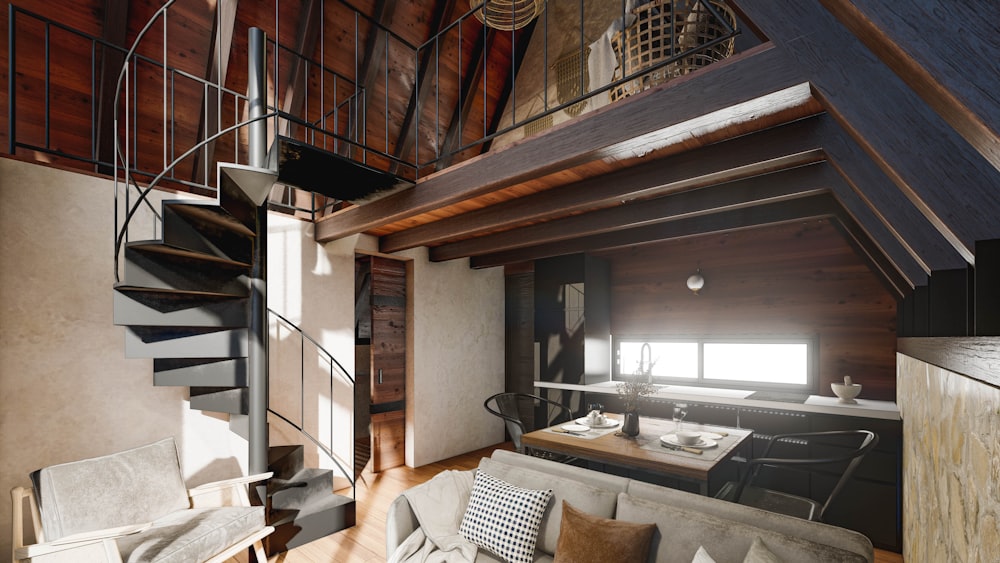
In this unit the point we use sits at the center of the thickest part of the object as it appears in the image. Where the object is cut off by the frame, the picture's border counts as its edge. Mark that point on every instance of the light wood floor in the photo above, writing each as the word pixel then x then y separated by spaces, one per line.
pixel 365 543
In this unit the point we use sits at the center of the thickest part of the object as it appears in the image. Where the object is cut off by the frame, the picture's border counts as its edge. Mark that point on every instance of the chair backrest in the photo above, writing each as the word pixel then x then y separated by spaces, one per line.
pixel 849 461
pixel 519 413
pixel 137 485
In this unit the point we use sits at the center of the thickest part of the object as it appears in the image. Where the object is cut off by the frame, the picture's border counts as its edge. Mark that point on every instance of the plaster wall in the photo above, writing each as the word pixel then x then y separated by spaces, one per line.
pixel 67 390
pixel 951 478
pixel 455 357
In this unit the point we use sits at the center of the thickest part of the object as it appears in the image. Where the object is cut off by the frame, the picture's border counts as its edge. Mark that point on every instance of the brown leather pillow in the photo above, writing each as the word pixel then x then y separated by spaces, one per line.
pixel 584 538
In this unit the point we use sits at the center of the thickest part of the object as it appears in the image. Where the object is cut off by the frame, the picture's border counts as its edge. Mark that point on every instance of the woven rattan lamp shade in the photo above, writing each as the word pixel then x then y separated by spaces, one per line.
pixel 507 14
pixel 665 29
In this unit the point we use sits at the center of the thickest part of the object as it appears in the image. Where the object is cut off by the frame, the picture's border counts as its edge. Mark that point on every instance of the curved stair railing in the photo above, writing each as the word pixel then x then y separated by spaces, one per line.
pixel 193 299
pixel 335 372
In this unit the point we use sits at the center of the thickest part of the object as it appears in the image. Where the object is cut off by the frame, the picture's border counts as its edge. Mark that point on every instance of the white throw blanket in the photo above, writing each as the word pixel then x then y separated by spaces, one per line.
pixel 439 505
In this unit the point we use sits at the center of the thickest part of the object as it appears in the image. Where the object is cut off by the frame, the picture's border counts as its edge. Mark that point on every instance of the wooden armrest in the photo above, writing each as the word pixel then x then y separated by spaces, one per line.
pixel 81 541
pixel 107 533
pixel 227 483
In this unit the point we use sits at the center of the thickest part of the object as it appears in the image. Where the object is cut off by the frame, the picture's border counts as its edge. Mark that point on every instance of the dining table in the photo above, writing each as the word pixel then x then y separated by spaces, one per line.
pixel 655 449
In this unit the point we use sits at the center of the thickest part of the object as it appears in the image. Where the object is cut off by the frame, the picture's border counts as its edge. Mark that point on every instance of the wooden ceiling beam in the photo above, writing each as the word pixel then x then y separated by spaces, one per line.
pixel 884 268
pixel 758 81
pixel 936 65
pixel 460 116
pixel 524 39
pixel 375 45
pixel 819 206
pixel 114 31
pixel 908 226
pixel 218 66
pixel 307 35
pixel 872 240
pixel 904 259
pixel 779 186
pixel 955 190
pixel 750 155
pixel 443 10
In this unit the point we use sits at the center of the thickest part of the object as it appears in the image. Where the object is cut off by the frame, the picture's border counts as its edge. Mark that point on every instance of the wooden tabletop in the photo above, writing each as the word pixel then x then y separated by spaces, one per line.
pixel 618 449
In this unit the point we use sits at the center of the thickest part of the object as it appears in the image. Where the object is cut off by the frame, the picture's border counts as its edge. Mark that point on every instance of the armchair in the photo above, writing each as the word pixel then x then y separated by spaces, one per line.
pixel 133 506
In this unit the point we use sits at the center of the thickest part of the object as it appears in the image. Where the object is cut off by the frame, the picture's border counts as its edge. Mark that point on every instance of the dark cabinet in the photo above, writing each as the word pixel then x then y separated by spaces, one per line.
pixel 572 330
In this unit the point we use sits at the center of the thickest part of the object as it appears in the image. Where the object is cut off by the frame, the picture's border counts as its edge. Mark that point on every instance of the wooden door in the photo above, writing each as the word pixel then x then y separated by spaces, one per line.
pixel 387 373
pixel 388 331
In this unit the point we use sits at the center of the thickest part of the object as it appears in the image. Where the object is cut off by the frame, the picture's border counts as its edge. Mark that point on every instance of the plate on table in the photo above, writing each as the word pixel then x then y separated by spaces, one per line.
pixel 575 427
pixel 608 423
pixel 701 444
pixel 711 436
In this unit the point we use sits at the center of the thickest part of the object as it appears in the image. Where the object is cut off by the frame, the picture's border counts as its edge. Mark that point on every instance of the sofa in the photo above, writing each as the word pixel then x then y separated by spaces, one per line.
pixel 686 524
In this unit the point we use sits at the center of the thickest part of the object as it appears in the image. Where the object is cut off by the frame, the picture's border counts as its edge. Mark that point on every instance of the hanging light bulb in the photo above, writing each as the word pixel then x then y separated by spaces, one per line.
pixel 696 282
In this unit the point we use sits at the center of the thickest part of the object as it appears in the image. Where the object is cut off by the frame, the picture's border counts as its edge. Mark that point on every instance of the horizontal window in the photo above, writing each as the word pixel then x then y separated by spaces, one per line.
pixel 772 363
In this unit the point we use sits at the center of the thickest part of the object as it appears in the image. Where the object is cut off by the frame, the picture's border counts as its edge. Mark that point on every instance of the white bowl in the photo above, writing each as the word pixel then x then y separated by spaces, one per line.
pixel 688 438
pixel 847 393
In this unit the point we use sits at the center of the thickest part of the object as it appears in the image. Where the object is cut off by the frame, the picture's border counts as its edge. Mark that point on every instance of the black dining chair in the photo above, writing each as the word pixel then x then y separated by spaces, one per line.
pixel 523 413
pixel 745 491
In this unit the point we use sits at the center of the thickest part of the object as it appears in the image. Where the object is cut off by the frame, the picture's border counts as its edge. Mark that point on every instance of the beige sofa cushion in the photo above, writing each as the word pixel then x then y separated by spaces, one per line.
pixel 593 500
pixel 681 531
pixel 831 535
pixel 129 487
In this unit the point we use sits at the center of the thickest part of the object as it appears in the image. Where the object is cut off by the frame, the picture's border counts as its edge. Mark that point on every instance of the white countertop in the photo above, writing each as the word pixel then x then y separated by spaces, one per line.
pixel 866 408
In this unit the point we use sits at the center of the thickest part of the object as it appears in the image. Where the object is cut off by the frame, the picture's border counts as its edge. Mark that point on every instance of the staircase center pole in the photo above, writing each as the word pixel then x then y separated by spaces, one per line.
pixel 257 353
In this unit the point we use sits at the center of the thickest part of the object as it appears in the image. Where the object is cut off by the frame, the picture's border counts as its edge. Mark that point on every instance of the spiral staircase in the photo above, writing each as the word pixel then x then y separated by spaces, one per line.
pixel 194 301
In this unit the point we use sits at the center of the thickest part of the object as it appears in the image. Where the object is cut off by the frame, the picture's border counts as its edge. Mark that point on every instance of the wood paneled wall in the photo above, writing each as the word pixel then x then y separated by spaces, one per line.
pixel 798 279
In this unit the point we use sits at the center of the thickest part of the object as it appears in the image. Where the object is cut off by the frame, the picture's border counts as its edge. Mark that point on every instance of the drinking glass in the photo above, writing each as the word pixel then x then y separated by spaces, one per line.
pixel 679 414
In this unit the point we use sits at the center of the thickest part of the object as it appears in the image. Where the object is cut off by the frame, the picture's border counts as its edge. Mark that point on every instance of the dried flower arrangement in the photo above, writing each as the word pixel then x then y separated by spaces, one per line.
pixel 634 388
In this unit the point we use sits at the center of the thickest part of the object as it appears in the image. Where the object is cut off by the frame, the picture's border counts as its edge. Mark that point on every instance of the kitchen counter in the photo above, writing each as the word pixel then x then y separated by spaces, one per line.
pixel 866 408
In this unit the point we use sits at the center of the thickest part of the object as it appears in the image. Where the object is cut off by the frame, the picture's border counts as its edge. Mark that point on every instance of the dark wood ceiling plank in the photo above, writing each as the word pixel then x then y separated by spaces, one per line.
pixel 803 209
pixel 868 182
pixel 460 116
pixel 307 36
pixel 945 69
pixel 779 186
pixel 443 10
pixel 878 262
pixel 520 48
pixel 114 30
pixel 904 259
pixel 750 155
pixel 375 44
pixel 218 67
pixel 617 131
pixel 955 190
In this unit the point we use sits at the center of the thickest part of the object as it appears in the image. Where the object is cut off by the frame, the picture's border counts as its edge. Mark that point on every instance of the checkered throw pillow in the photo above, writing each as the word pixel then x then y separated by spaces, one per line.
pixel 504 519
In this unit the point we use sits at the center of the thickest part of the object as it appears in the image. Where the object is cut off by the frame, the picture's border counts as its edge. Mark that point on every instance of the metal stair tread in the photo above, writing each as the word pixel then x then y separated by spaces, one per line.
pixel 298 480
pixel 314 506
pixel 160 247
pixel 125 288
pixel 209 212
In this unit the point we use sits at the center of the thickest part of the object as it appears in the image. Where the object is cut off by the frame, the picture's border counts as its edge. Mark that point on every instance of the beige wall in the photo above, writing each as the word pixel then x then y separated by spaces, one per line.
pixel 67 390
pixel 455 354
pixel 951 473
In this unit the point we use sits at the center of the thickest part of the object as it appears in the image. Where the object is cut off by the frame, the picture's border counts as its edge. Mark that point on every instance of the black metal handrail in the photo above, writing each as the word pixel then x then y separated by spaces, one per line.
pixel 300 423
pixel 317 128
